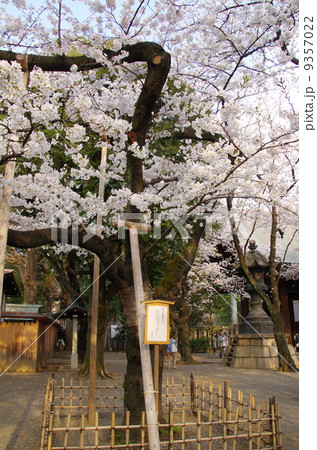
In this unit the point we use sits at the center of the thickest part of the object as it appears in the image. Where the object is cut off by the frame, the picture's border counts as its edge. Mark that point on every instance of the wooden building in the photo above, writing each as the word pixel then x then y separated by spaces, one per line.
pixel 27 341
pixel 27 338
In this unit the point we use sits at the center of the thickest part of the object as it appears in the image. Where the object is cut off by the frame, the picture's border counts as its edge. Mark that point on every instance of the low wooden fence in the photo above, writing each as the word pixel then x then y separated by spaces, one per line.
pixel 198 414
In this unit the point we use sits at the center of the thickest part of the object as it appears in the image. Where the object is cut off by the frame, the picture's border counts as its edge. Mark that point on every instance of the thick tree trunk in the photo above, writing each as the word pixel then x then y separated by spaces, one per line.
pixel 181 320
pixel 171 286
pixel 133 381
pixel 133 384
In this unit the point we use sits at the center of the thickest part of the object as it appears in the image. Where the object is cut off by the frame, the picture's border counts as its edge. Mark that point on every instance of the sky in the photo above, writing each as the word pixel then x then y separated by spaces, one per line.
pixel 79 9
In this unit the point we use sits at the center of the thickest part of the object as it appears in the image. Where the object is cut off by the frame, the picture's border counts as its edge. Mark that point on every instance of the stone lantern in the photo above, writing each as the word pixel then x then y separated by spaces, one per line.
pixel 257 321
pixel 254 347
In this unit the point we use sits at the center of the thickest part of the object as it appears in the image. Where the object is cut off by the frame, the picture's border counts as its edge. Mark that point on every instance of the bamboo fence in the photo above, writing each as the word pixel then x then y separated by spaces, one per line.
pixel 198 415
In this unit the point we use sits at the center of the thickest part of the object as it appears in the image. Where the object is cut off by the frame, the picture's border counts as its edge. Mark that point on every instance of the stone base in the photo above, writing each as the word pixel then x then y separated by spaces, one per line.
pixel 74 361
pixel 250 351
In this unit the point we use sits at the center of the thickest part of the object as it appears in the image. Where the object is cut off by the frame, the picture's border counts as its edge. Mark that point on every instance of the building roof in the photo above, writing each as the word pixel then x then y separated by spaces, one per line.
pixel 70 311
pixel 9 316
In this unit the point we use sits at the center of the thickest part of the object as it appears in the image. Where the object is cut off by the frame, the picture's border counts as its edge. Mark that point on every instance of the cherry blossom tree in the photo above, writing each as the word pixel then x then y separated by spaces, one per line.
pixel 195 100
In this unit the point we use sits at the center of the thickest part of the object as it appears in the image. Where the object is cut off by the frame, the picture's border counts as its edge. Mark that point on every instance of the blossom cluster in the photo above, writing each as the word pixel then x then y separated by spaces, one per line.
pixel 225 81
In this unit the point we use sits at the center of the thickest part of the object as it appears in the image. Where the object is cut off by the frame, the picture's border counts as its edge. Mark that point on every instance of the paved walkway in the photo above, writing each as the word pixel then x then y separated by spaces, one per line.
pixel 22 395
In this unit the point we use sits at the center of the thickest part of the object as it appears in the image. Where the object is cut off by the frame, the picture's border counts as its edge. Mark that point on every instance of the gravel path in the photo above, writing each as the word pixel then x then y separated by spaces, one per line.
pixel 22 394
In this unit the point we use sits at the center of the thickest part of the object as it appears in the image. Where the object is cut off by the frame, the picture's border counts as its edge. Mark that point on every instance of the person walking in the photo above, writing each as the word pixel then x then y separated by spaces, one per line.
pixel 223 343
pixel 166 353
pixel 214 343
pixel 296 342
pixel 171 351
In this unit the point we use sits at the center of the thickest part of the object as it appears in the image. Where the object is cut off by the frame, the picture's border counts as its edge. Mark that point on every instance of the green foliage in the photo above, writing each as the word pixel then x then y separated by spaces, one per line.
pixel 212 309
pixel 220 306
pixel 117 315
pixel 199 345
pixel 197 315
pixel 120 439
pixel 165 431
pixel 164 251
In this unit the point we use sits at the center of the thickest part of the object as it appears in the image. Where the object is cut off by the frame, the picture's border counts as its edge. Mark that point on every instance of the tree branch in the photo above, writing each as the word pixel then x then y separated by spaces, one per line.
pixel 117 272
pixel 242 258
pixel 177 269
pixel 189 133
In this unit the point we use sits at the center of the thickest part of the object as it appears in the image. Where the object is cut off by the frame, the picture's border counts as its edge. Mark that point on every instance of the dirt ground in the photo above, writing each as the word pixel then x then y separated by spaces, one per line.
pixel 22 394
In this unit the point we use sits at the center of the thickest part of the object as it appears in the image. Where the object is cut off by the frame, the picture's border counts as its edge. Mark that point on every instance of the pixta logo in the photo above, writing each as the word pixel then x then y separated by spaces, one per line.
pixel 65 230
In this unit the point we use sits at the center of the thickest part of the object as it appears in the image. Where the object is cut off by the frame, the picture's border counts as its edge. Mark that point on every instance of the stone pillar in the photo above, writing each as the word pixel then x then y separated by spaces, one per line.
pixel 74 357
pixel 234 311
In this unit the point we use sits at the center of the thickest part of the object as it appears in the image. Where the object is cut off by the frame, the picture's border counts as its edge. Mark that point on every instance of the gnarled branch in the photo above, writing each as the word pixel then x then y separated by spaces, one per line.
pixel 117 272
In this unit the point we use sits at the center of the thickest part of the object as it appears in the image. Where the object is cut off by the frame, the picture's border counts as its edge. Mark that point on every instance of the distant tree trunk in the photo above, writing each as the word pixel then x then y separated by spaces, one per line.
pixel 285 359
pixel 67 278
pixel 27 265
pixel 82 338
pixel 30 278
pixel 103 319
pixel 274 304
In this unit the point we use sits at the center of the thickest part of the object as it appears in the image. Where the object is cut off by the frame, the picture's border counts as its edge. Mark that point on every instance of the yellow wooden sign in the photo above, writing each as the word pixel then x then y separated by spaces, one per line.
pixel 157 322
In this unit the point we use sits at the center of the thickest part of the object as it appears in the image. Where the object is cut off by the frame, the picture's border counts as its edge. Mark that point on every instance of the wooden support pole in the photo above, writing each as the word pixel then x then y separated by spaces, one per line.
pixel 93 344
pixel 7 191
pixel 156 373
pixel 74 356
pixel 94 303
pixel 4 221
pixel 149 397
